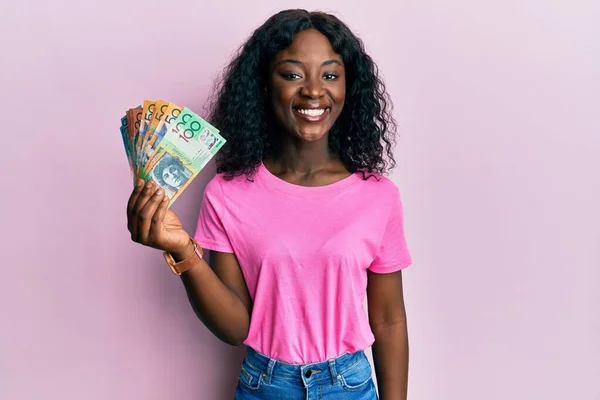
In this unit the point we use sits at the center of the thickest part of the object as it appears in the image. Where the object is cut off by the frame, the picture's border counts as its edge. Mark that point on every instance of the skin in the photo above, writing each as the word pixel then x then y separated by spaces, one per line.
pixel 308 74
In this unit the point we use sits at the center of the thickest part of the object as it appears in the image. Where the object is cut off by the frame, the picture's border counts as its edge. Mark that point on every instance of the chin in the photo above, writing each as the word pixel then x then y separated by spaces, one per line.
pixel 311 136
pixel 311 133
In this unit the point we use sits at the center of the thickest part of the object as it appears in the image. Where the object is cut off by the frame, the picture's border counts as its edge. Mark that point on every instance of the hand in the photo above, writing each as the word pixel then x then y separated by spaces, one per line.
pixel 152 224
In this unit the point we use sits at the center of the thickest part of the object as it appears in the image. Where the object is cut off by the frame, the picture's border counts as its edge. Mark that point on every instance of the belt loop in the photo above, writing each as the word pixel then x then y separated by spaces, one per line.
pixel 333 372
pixel 269 372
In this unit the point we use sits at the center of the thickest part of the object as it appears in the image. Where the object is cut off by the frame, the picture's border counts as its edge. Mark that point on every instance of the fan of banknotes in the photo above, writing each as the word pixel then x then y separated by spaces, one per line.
pixel 168 144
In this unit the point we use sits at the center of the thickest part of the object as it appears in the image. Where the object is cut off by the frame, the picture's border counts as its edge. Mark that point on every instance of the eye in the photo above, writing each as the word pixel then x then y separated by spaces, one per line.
pixel 291 76
pixel 330 77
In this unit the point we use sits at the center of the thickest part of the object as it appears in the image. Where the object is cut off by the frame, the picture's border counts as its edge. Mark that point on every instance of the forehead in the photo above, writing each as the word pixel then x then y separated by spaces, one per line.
pixel 309 45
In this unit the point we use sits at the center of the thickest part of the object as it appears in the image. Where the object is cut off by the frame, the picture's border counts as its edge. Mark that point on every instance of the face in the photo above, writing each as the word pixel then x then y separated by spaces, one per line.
pixel 172 175
pixel 308 86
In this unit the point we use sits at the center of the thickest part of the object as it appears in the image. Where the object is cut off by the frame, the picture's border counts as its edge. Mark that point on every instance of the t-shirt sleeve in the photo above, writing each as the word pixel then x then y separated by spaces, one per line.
pixel 393 252
pixel 211 231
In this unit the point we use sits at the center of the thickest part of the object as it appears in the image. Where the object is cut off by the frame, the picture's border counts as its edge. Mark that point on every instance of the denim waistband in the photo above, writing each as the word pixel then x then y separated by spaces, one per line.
pixel 325 370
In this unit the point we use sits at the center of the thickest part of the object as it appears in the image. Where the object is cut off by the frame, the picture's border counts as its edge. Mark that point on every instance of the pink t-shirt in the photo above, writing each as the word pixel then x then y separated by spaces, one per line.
pixel 304 253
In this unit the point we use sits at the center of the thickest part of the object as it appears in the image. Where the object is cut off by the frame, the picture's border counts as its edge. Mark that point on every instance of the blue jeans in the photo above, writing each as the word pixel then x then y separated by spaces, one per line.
pixel 347 377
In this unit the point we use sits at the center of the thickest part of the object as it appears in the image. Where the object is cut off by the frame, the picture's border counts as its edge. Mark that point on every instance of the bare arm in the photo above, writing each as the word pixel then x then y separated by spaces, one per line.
pixel 219 297
pixel 219 294
pixel 387 317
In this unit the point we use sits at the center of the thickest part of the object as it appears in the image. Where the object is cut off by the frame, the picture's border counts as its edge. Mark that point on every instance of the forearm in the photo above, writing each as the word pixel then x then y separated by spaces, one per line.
pixel 390 355
pixel 216 305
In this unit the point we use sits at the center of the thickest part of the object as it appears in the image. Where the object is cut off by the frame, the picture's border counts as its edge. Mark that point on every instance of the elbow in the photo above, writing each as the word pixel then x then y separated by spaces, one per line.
pixel 388 330
pixel 238 332
pixel 231 338
pixel 236 342
pixel 232 335
pixel 230 329
pixel 235 339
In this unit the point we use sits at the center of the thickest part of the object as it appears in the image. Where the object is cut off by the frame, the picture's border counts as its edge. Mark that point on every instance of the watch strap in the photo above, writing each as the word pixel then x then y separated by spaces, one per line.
pixel 182 266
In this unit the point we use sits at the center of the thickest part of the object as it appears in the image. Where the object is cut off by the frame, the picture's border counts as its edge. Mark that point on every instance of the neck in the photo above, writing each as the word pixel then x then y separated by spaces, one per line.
pixel 295 155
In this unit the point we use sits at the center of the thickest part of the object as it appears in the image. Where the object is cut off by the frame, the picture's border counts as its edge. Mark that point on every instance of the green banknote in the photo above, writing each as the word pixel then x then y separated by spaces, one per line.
pixel 188 145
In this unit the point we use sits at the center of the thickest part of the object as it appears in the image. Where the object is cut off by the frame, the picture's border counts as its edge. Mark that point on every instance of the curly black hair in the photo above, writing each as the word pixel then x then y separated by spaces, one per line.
pixel 363 135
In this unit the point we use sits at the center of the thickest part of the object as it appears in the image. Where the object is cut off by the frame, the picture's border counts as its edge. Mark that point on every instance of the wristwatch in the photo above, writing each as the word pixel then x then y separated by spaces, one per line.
pixel 180 267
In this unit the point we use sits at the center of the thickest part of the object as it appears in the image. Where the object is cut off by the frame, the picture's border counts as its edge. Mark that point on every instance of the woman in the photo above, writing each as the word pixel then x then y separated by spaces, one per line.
pixel 300 220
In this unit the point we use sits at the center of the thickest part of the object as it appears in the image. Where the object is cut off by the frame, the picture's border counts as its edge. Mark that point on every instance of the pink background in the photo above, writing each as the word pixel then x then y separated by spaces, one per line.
pixel 499 109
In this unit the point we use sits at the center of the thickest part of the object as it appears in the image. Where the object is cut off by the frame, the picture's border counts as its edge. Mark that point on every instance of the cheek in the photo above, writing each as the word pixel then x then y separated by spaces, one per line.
pixel 284 96
pixel 280 103
pixel 340 98
pixel 340 93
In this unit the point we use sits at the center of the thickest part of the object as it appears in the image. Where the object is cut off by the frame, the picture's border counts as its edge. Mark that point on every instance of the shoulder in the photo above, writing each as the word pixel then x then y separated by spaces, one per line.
pixel 381 192
pixel 380 185
pixel 214 186
pixel 220 185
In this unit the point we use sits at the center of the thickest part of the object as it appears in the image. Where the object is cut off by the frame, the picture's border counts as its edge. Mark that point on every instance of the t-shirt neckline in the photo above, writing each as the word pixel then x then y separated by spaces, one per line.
pixel 305 191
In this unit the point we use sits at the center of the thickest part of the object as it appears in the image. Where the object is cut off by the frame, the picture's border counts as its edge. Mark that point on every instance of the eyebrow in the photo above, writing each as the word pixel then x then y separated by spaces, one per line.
pixel 297 62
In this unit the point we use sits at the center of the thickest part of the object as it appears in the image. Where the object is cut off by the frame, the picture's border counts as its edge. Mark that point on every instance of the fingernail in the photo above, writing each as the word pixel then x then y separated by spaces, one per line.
pixel 166 198
pixel 139 183
pixel 159 192
pixel 149 183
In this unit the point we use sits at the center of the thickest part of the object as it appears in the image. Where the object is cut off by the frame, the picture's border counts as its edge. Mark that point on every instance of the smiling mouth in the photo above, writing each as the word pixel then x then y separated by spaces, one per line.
pixel 312 115
pixel 312 112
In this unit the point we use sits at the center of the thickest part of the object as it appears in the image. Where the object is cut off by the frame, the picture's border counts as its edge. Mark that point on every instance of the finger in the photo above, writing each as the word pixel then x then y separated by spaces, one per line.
pixel 158 218
pixel 161 211
pixel 147 213
pixel 139 185
pixel 147 192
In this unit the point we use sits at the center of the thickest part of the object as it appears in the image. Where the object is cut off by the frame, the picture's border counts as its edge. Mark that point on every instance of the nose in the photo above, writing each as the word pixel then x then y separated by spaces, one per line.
pixel 313 88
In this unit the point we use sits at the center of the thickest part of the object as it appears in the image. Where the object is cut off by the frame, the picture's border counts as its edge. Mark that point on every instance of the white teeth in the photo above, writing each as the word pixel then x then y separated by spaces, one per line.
pixel 312 112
